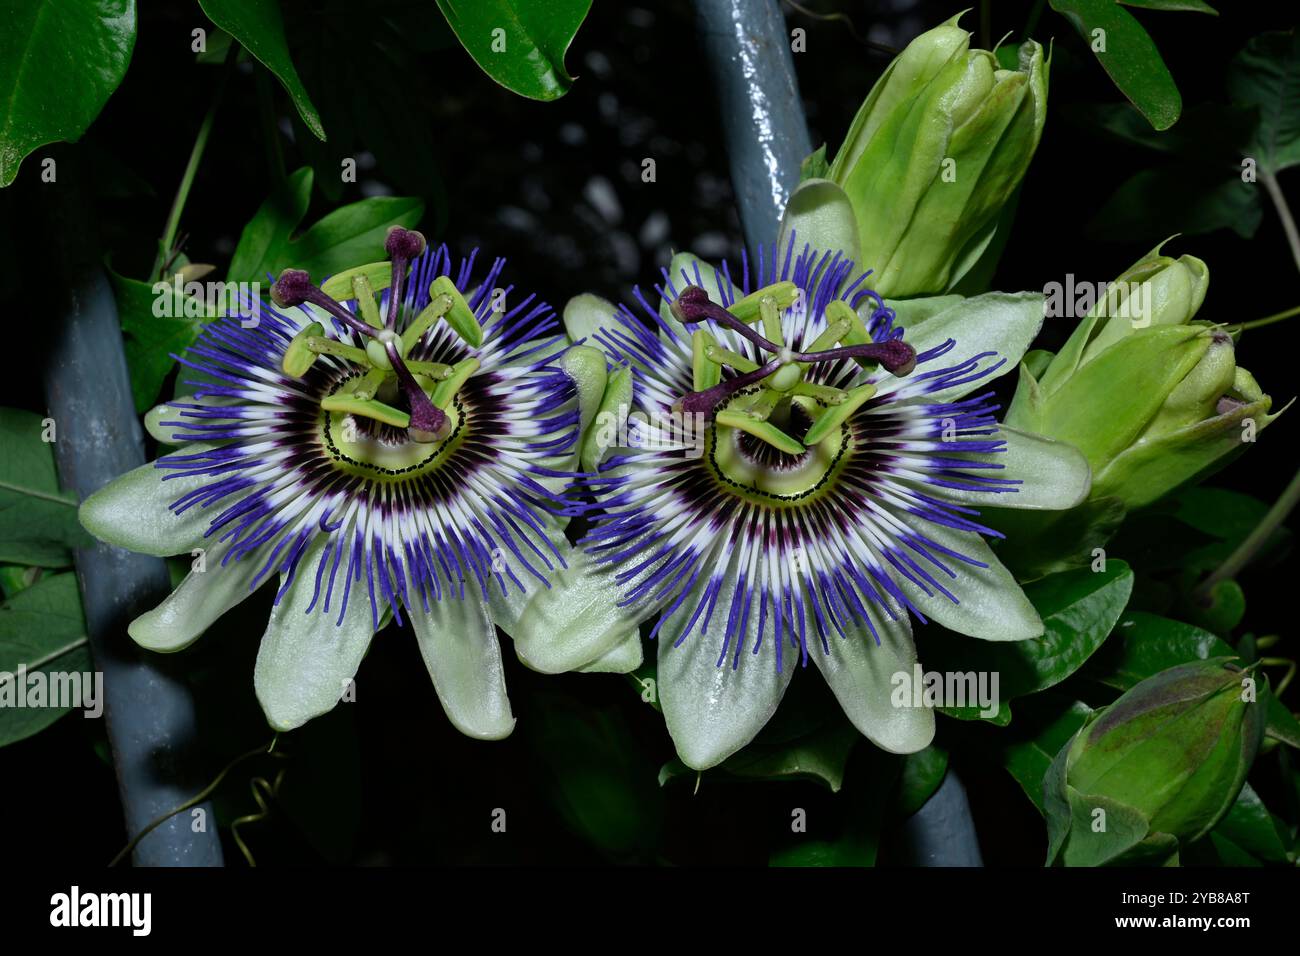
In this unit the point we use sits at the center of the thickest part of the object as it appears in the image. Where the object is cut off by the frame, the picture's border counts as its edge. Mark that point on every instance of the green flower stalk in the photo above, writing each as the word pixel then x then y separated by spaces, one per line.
pixel 1156 769
pixel 1152 398
pixel 935 151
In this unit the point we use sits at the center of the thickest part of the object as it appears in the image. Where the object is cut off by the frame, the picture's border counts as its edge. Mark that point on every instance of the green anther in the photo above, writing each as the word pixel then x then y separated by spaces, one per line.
pixel 762 430
pixel 367 408
pixel 459 316
pixel 434 370
pixel 771 314
pixel 723 356
pixel 299 356
pixel 369 384
pixel 785 378
pixel 447 389
pixel 364 293
pixel 834 332
pixel 762 405
pixel 705 371
pixel 340 288
pixel 857 333
pixel 823 393
pixel 748 308
pixel 836 415
pixel 431 313
pixel 323 346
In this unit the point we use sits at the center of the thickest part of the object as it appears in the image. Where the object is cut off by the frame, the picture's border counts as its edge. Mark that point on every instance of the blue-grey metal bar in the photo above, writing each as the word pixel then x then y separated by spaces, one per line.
pixel 748 50
pixel 148 709
pixel 748 47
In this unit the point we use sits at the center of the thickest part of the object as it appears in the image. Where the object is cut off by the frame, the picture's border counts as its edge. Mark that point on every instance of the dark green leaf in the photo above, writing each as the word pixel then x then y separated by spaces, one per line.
pixel 1079 608
pixel 920 777
pixel 42 630
pixel 1128 55
pixel 1145 644
pixel 1280 723
pixel 1249 826
pixel 349 236
pixel 1185 6
pixel 151 340
pixel 38 521
pixel 1266 75
pixel 1030 756
pixel 519 43
pixel 821 756
pixel 60 60
pixel 1183 198
pixel 259 28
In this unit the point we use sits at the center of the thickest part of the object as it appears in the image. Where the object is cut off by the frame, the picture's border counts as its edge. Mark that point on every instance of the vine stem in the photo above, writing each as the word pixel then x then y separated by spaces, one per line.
pixel 192 166
pixel 1267 320
pixel 1256 539
pixel 1284 213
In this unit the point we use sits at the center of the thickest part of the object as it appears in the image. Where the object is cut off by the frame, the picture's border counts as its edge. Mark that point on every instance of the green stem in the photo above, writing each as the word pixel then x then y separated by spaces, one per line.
pixel 1256 539
pixel 1267 320
pixel 1284 213
pixel 192 167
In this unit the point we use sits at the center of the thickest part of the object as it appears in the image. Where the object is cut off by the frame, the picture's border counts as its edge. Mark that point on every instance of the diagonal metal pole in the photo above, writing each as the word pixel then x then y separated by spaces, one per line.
pixel 748 48
pixel 148 709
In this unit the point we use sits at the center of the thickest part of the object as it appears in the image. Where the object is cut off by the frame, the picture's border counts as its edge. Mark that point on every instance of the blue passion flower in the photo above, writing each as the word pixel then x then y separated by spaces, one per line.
pixel 400 453
pixel 824 496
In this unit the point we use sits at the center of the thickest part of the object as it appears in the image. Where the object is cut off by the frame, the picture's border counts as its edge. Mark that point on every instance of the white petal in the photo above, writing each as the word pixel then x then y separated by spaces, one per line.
pixel 1053 475
pixel 861 675
pixel 307 660
pixel 820 215
pixel 1000 322
pixel 714 710
pixel 133 511
pixel 197 602
pixel 459 644
pixel 626 657
pixel 992 607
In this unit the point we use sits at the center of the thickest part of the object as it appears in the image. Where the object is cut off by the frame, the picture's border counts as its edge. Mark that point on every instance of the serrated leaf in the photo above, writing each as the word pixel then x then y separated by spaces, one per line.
pixel 60 60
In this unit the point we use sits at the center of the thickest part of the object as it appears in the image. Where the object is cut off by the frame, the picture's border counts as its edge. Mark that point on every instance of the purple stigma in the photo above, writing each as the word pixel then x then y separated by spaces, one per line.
pixel 702 403
pixel 402 245
pixel 895 355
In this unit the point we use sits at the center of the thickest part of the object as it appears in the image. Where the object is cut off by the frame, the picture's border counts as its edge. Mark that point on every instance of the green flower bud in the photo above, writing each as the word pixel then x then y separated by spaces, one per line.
pixel 1152 398
pixel 1159 767
pixel 936 149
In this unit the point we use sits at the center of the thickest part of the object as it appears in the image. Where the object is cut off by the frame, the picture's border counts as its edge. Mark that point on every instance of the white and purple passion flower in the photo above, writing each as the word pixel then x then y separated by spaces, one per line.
pixel 396 454
pixel 830 497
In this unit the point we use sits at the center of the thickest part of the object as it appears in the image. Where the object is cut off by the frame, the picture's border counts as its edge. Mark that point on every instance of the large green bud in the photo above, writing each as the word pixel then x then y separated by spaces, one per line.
pixel 1152 398
pixel 935 151
pixel 1156 769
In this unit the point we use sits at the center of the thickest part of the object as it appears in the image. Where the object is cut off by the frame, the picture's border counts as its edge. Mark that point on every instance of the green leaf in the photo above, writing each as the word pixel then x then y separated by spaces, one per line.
pixel 920 777
pixel 38 521
pixel 1174 6
pixel 349 236
pixel 60 60
pixel 1182 198
pixel 519 43
pixel 259 28
pixel 1030 756
pixel 1266 75
pixel 821 756
pixel 151 340
pixel 1128 55
pixel 41 629
pixel 1145 644
pixel 1250 827
pixel 1280 723
pixel 1079 608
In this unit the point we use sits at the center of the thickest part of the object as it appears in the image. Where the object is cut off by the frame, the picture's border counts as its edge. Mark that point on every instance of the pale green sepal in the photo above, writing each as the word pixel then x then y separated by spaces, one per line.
pixel 458 642
pixel 587 314
pixel 169 412
pixel 1053 475
pixel 307 661
pixel 712 710
pixel 992 607
pixel 820 216
pixel 861 674
pixel 201 598
pixel 625 657
pixel 615 405
pixel 133 511
pixel 585 367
